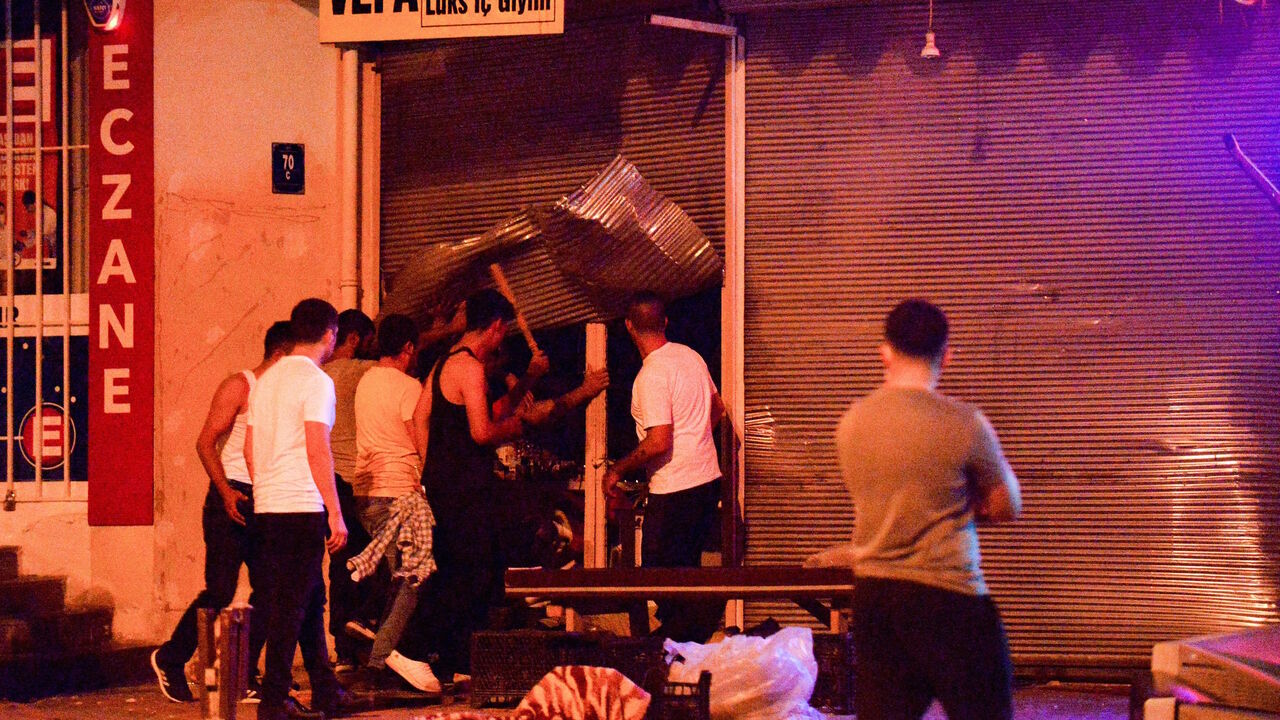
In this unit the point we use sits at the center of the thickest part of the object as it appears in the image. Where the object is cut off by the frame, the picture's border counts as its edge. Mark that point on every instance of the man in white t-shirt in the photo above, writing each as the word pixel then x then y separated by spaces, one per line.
pixel 388 469
pixel 291 412
pixel 676 407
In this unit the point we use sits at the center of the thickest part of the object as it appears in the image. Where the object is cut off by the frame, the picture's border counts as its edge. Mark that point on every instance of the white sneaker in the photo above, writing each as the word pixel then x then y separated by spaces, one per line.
pixel 414 672
pixel 357 629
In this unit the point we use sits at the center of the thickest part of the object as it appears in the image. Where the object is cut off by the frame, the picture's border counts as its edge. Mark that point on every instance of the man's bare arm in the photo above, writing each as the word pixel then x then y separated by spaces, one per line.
pixel 422 417
pixel 717 409
pixel 998 497
pixel 657 441
pixel 1001 503
pixel 320 460
pixel 228 401
pixel 545 411
pixel 484 430
pixel 512 402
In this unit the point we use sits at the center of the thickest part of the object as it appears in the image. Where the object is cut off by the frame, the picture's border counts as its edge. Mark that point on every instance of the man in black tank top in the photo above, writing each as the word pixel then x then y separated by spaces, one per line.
pixel 456 433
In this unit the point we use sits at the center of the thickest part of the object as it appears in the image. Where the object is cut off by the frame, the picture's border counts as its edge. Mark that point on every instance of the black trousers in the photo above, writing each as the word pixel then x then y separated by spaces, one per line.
pixel 916 643
pixel 677 527
pixel 227 546
pixel 292 550
pixel 468 581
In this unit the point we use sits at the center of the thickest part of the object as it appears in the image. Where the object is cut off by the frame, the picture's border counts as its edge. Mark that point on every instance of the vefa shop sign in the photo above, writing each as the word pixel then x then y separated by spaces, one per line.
pixel 374 20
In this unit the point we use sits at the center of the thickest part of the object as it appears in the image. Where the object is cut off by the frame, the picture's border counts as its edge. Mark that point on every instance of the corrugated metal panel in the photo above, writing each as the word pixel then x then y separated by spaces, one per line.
pixel 475 131
pixel 572 262
pixel 1058 183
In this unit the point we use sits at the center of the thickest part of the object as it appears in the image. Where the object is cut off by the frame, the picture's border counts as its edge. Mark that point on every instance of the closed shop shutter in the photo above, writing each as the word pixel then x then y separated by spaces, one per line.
pixel 1058 183
pixel 475 130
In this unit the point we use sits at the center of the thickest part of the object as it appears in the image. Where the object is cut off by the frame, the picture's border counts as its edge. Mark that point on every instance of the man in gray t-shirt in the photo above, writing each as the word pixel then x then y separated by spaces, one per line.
pixel 922 468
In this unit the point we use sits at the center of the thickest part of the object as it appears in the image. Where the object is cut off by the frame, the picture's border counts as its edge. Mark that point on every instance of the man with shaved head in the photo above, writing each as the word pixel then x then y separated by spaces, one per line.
pixel 676 406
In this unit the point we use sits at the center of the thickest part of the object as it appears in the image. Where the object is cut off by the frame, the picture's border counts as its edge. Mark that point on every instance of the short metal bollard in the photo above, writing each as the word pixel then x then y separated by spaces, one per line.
pixel 222 662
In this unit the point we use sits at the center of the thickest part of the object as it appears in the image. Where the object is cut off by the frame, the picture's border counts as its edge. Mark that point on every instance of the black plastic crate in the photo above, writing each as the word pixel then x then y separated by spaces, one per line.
pixel 506 665
pixel 833 691
pixel 680 701
pixel 639 658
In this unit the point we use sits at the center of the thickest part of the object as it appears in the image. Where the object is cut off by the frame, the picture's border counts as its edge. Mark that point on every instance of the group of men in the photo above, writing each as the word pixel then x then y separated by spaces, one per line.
pixel 322 448
pixel 414 489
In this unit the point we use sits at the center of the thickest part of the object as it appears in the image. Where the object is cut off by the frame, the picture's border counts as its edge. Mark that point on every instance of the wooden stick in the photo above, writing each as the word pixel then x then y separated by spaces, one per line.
pixel 503 287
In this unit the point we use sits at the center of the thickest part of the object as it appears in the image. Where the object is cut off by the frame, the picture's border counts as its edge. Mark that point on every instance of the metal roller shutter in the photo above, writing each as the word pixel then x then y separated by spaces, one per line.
pixel 1057 183
pixel 474 131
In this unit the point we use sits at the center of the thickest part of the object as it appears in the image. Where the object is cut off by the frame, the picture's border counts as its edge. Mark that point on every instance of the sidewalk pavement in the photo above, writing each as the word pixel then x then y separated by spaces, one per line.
pixel 1039 702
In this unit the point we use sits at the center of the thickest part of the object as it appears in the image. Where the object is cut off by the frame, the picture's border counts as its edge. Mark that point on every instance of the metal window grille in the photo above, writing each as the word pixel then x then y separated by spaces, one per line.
pixel 45 305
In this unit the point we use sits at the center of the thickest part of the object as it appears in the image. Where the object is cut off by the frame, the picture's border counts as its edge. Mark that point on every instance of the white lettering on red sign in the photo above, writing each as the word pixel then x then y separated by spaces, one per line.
pixel 114 388
pixel 111 209
pixel 51 436
pixel 43 434
pixel 111 66
pixel 116 263
pixel 122 251
pixel 108 320
pixel 104 134
pixel 24 81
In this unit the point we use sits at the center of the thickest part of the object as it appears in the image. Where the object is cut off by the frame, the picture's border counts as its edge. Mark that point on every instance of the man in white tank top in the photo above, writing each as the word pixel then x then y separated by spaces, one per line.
pixel 228 517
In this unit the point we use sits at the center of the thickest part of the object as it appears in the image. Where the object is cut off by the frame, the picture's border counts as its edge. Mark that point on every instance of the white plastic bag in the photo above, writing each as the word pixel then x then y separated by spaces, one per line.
pixel 753 678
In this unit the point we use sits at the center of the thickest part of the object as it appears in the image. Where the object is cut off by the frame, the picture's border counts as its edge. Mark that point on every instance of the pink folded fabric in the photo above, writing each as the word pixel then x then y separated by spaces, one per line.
pixel 457 715
pixel 576 692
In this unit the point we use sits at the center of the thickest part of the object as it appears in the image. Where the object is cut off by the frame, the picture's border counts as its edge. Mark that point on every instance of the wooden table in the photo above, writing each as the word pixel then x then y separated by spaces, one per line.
pixel 610 589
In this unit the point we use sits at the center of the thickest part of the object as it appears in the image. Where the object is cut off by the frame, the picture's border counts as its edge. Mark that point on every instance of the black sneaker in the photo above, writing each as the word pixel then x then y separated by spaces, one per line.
pixel 173 681
pixel 297 711
pixel 253 689
pixel 343 704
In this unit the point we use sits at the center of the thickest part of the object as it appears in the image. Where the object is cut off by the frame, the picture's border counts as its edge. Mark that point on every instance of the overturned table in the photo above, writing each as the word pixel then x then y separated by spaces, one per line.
pixel 590 590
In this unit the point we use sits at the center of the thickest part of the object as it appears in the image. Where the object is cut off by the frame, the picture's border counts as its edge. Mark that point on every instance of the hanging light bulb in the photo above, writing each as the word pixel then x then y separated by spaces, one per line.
pixel 930 50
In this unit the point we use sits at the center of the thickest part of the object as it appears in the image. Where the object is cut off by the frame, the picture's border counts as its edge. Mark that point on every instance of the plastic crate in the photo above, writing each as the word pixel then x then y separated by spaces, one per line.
pixel 833 691
pixel 681 701
pixel 639 658
pixel 506 665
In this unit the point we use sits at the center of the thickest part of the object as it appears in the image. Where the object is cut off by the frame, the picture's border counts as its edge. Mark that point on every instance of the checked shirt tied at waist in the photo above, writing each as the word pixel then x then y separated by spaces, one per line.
pixel 409 526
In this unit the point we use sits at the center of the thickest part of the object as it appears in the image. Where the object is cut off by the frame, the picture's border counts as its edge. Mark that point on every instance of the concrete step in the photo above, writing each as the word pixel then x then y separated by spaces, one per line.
pixel 30 676
pixel 67 630
pixel 9 562
pixel 32 595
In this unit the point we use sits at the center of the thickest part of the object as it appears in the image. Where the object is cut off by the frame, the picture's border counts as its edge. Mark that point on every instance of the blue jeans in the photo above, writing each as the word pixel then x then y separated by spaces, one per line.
pixel 402 598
